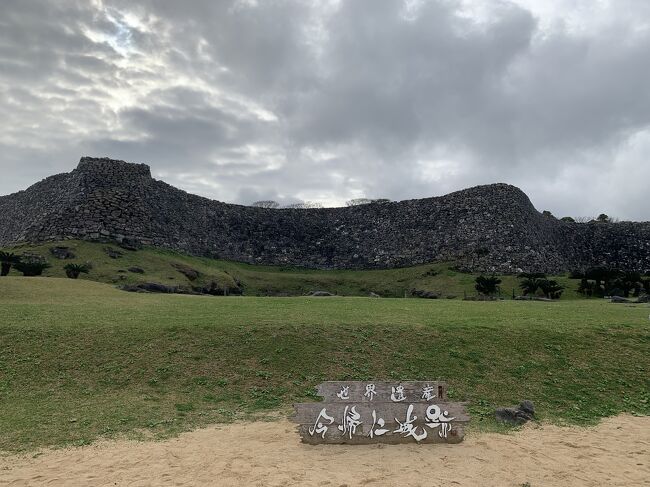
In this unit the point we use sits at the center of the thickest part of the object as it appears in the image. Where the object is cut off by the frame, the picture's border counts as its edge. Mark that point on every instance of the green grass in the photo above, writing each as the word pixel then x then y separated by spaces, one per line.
pixel 81 360
pixel 261 280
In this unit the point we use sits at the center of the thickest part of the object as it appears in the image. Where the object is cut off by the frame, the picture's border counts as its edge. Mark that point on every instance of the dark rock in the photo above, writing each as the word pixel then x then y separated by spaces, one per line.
pixel 112 253
pixel 151 287
pixel 420 293
pixel 62 252
pixel 618 299
pixel 516 415
pixel 191 274
pixel 130 244
pixel 136 270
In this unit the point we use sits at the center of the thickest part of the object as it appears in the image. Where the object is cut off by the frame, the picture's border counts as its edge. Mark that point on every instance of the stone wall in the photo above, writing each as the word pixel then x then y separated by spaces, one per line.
pixel 492 227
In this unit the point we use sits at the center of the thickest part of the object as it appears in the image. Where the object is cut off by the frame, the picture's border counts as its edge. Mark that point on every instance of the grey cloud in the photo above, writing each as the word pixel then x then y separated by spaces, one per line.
pixel 288 99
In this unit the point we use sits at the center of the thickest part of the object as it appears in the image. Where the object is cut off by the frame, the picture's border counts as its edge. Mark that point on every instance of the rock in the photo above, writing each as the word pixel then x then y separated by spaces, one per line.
pixel 516 415
pixel 60 252
pixel 618 299
pixel 112 253
pixel 130 244
pixel 374 295
pixel 420 293
pixel 150 287
pixel 136 270
pixel 187 271
pixel 319 293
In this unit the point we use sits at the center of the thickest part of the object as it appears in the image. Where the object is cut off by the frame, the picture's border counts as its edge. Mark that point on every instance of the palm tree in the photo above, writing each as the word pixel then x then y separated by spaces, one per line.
pixel 487 284
pixel 7 259
pixel 73 270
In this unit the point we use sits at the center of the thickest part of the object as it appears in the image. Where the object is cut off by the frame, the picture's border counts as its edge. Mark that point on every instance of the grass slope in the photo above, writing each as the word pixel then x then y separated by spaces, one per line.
pixel 79 359
pixel 261 280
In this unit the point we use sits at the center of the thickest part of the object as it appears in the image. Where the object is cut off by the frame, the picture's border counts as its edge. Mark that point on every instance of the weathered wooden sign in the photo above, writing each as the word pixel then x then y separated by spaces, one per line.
pixel 355 412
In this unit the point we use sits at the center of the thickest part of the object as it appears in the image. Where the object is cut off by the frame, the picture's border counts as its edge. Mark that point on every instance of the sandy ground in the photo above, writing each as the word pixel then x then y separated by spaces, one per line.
pixel 616 452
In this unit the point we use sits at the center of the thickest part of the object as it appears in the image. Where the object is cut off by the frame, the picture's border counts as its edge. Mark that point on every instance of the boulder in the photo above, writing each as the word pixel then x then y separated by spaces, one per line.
pixel 319 293
pixel 516 415
pixel 420 293
pixel 618 299
pixel 136 270
pixel 113 253
pixel 150 287
pixel 61 252
pixel 187 271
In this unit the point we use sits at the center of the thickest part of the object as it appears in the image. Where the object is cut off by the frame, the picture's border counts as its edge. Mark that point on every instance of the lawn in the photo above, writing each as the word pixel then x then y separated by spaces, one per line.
pixel 81 360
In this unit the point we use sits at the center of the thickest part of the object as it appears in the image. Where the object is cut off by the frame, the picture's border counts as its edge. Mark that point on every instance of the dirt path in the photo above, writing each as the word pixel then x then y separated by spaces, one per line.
pixel 615 453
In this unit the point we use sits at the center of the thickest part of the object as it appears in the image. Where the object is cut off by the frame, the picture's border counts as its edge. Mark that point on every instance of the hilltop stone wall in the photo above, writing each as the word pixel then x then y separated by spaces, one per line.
pixel 492 227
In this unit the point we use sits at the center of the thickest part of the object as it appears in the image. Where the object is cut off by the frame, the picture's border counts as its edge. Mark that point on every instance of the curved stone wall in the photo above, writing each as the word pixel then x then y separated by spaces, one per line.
pixel 492 227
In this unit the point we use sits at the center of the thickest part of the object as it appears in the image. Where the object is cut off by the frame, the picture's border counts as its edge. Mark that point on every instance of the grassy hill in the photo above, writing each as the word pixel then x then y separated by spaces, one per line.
pixel 163 266
pixel 81 360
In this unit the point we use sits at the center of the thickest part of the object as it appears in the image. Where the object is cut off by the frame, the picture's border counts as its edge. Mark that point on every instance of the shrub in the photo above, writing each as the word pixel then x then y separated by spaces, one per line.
pixel 73 270
pixel 7 259
pixel 32 265
pixel 568 219
pixel 487 285
pixel 266 204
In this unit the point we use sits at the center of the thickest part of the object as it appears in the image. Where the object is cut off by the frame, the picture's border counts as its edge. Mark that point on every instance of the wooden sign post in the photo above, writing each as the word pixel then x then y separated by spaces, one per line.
pixel 357 413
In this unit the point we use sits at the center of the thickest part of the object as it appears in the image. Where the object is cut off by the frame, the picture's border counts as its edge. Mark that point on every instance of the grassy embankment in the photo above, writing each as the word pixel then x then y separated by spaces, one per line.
pixel 80 360
pixel 260 280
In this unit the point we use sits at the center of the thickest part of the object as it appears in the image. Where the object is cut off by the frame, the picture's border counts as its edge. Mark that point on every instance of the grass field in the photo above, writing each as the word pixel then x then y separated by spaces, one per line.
pixel 258 280
pixel 81 360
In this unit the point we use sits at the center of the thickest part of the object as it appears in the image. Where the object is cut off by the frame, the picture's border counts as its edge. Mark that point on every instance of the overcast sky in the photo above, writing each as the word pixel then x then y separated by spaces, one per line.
pixel 330 100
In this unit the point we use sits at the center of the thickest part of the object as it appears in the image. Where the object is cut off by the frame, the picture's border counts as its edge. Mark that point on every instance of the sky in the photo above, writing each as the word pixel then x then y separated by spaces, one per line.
pixel 325 101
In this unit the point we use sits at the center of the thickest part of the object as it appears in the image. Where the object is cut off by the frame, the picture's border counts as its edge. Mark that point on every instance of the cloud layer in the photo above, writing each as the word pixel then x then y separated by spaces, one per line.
pixel 326 101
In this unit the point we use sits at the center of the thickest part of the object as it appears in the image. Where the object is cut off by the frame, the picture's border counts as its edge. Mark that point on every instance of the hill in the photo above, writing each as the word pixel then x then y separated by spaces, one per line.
pixel 112 264
pixel 492 227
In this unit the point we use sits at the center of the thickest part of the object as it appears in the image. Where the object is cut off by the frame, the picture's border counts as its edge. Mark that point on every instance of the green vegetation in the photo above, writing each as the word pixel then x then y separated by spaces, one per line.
pixel 537 283
pixel 80 360
pixel 74 270
pixel 170 268
pixel 7 259
pixel 487 285
pixel 31 265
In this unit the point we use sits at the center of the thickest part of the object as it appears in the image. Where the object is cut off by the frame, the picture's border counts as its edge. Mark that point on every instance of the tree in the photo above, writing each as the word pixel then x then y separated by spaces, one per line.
pixel 550 288
pixel 305 205
pixel 365 201
pixel 73 270
pixel 568 219
pixel 602 218
pixel 266 204
pixel 7 259
pixel 529 285
pixel 487 285
pixel 358 201
pixel 547 214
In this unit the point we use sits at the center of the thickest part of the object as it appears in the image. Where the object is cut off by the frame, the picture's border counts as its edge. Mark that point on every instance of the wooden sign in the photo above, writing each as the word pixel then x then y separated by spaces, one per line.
pixel 354 412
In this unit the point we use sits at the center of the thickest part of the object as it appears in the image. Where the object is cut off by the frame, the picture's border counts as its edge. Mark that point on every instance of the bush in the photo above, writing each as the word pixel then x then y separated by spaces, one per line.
pixel 32 265
pixel 7 259
pixel 73 270
pixel 487 285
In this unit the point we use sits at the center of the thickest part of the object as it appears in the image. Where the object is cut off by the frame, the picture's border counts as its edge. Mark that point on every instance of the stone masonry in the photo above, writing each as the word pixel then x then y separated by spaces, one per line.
pixel 493 227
